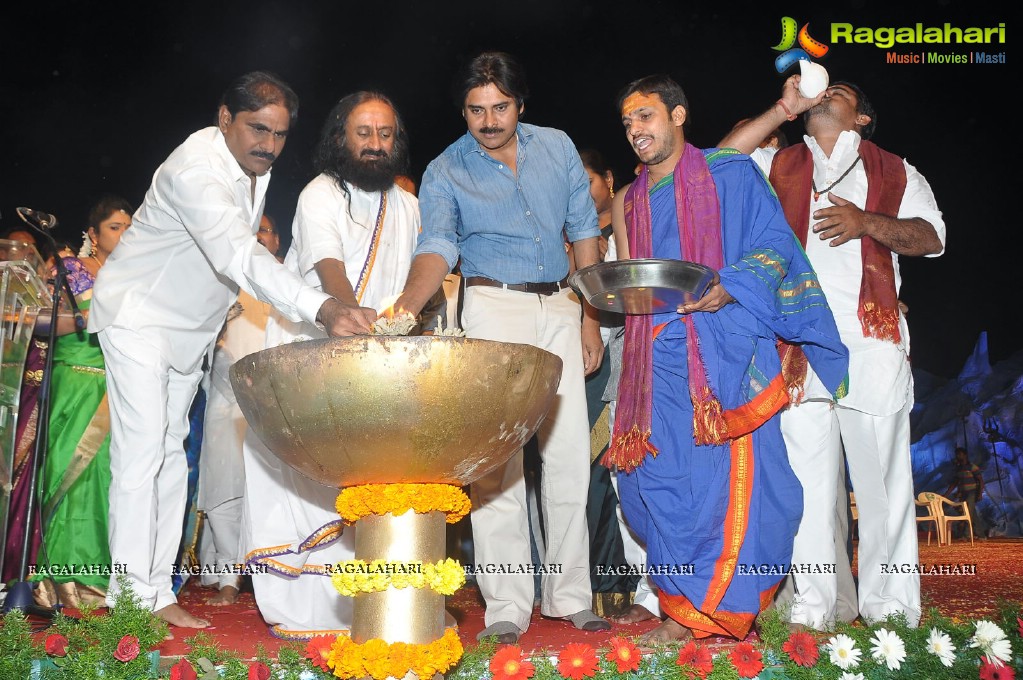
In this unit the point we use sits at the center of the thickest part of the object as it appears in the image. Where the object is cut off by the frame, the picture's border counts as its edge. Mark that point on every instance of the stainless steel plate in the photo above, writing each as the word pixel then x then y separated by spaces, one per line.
pixel 645 286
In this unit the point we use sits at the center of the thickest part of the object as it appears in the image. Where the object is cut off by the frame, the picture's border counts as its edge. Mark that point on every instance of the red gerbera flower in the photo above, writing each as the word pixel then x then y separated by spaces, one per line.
pixel 318 650
pixel 802 647
pixel 1019 622
pixel 624 654
pixel 577 660
pixel 508 664
pixel 183 670
pixel 989 671
pixel 696 657
pixel 56 645
pixel 747 660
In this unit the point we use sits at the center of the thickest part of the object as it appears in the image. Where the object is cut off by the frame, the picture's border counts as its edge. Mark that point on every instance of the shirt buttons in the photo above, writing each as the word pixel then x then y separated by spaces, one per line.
pixel 528 213
pixel 537 239
pixel 540 267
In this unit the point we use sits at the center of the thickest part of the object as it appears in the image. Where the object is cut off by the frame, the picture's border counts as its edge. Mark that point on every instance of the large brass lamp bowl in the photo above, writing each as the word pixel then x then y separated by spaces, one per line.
pixel 381 410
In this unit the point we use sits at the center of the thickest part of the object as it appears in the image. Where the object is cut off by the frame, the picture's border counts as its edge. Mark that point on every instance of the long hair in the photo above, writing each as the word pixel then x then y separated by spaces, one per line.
pixel 497 68
pixel 258 89
pixel 329 156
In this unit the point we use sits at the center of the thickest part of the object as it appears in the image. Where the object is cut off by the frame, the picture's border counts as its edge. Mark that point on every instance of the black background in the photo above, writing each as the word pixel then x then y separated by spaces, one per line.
pixel 93 98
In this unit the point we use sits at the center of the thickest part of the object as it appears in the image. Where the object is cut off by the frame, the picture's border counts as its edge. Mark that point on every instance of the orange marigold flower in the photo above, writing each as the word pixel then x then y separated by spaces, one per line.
pixel 508 664
pixel 696 657
pixel 318 650
pixel 624 655
pixel 747 660
pixel 802 648
pixel 577 661
pixel 355 502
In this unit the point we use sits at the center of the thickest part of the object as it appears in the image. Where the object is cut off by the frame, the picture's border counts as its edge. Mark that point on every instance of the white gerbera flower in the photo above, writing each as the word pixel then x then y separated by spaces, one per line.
pixel 991 640
pixel 889 648
pixel 843 652
pixel 940 645
pixel 852 676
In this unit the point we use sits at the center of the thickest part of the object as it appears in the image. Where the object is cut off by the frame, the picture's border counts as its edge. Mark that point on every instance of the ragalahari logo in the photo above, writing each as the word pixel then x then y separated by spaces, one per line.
pixel 808 49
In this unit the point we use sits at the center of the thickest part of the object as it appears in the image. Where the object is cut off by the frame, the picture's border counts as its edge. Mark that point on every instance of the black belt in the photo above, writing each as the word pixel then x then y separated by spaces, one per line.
pixel 538 288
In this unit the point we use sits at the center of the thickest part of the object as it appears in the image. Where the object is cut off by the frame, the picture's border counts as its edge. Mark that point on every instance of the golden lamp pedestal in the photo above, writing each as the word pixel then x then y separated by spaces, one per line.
pixel 375 410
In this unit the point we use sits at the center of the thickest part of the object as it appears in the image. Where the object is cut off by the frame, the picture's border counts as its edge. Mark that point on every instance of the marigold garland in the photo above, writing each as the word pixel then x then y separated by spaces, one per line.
pixel 355 502
pixel 379 659
pixel 352 577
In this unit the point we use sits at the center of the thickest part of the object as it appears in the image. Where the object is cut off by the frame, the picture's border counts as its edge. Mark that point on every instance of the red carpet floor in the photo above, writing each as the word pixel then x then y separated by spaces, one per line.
pixel 998 565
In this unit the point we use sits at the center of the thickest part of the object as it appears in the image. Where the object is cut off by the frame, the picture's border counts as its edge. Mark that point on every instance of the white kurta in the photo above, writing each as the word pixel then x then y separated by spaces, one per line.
pixel 871 423
pixel 282 507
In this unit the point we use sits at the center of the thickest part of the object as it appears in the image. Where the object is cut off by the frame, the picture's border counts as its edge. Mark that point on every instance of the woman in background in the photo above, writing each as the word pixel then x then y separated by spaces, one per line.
pixel 76 472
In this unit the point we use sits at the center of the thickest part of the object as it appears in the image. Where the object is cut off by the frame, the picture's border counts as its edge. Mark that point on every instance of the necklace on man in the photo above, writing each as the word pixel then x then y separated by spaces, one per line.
pixel 817 194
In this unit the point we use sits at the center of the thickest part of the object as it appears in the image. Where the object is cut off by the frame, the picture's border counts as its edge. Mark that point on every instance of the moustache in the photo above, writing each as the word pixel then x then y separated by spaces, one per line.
pixel 375 153
pixel 265 155
pixel 491 130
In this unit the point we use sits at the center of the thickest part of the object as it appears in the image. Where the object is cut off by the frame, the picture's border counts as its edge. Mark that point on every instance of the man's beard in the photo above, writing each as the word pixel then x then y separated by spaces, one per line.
pixel 373 171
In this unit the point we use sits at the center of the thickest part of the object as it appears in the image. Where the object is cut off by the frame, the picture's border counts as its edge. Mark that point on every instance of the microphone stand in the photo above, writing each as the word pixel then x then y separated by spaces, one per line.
pixel 19 595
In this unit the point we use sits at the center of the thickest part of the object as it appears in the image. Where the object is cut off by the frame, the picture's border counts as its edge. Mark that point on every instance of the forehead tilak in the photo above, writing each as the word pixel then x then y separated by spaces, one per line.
pixel 638 100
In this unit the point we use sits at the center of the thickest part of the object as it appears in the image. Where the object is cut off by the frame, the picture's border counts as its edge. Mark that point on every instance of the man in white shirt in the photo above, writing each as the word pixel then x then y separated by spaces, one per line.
pixel 159 304
pixel 856 208
pixel 353 237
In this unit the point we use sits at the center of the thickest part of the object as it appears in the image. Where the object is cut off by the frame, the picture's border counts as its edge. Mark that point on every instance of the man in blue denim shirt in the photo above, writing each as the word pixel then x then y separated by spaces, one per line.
pixel 504 198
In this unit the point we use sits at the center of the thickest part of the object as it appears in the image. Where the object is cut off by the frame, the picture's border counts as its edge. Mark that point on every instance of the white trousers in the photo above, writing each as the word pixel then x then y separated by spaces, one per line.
pixel 499 511
pixel 149 403
pixel 846 609
pixel 880 469
pixel 282 508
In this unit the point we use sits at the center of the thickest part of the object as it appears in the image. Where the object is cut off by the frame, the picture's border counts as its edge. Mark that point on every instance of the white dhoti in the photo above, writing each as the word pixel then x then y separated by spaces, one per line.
pixel 281 509
pixel 221 469
pixel 632 546
pixel 635 556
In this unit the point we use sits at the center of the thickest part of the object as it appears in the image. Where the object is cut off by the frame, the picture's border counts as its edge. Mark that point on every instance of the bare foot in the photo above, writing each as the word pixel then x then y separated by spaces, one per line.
pixel 176 615
pixel 226 595
pixel 670 630
pixel 634 614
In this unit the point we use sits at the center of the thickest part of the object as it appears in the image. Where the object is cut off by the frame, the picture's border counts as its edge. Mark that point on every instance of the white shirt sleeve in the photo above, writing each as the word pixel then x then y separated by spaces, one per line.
pixel 317 230
pixel 918 201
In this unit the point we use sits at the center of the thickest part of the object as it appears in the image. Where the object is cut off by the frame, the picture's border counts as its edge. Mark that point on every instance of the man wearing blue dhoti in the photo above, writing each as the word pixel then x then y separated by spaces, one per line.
pixel 706 481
